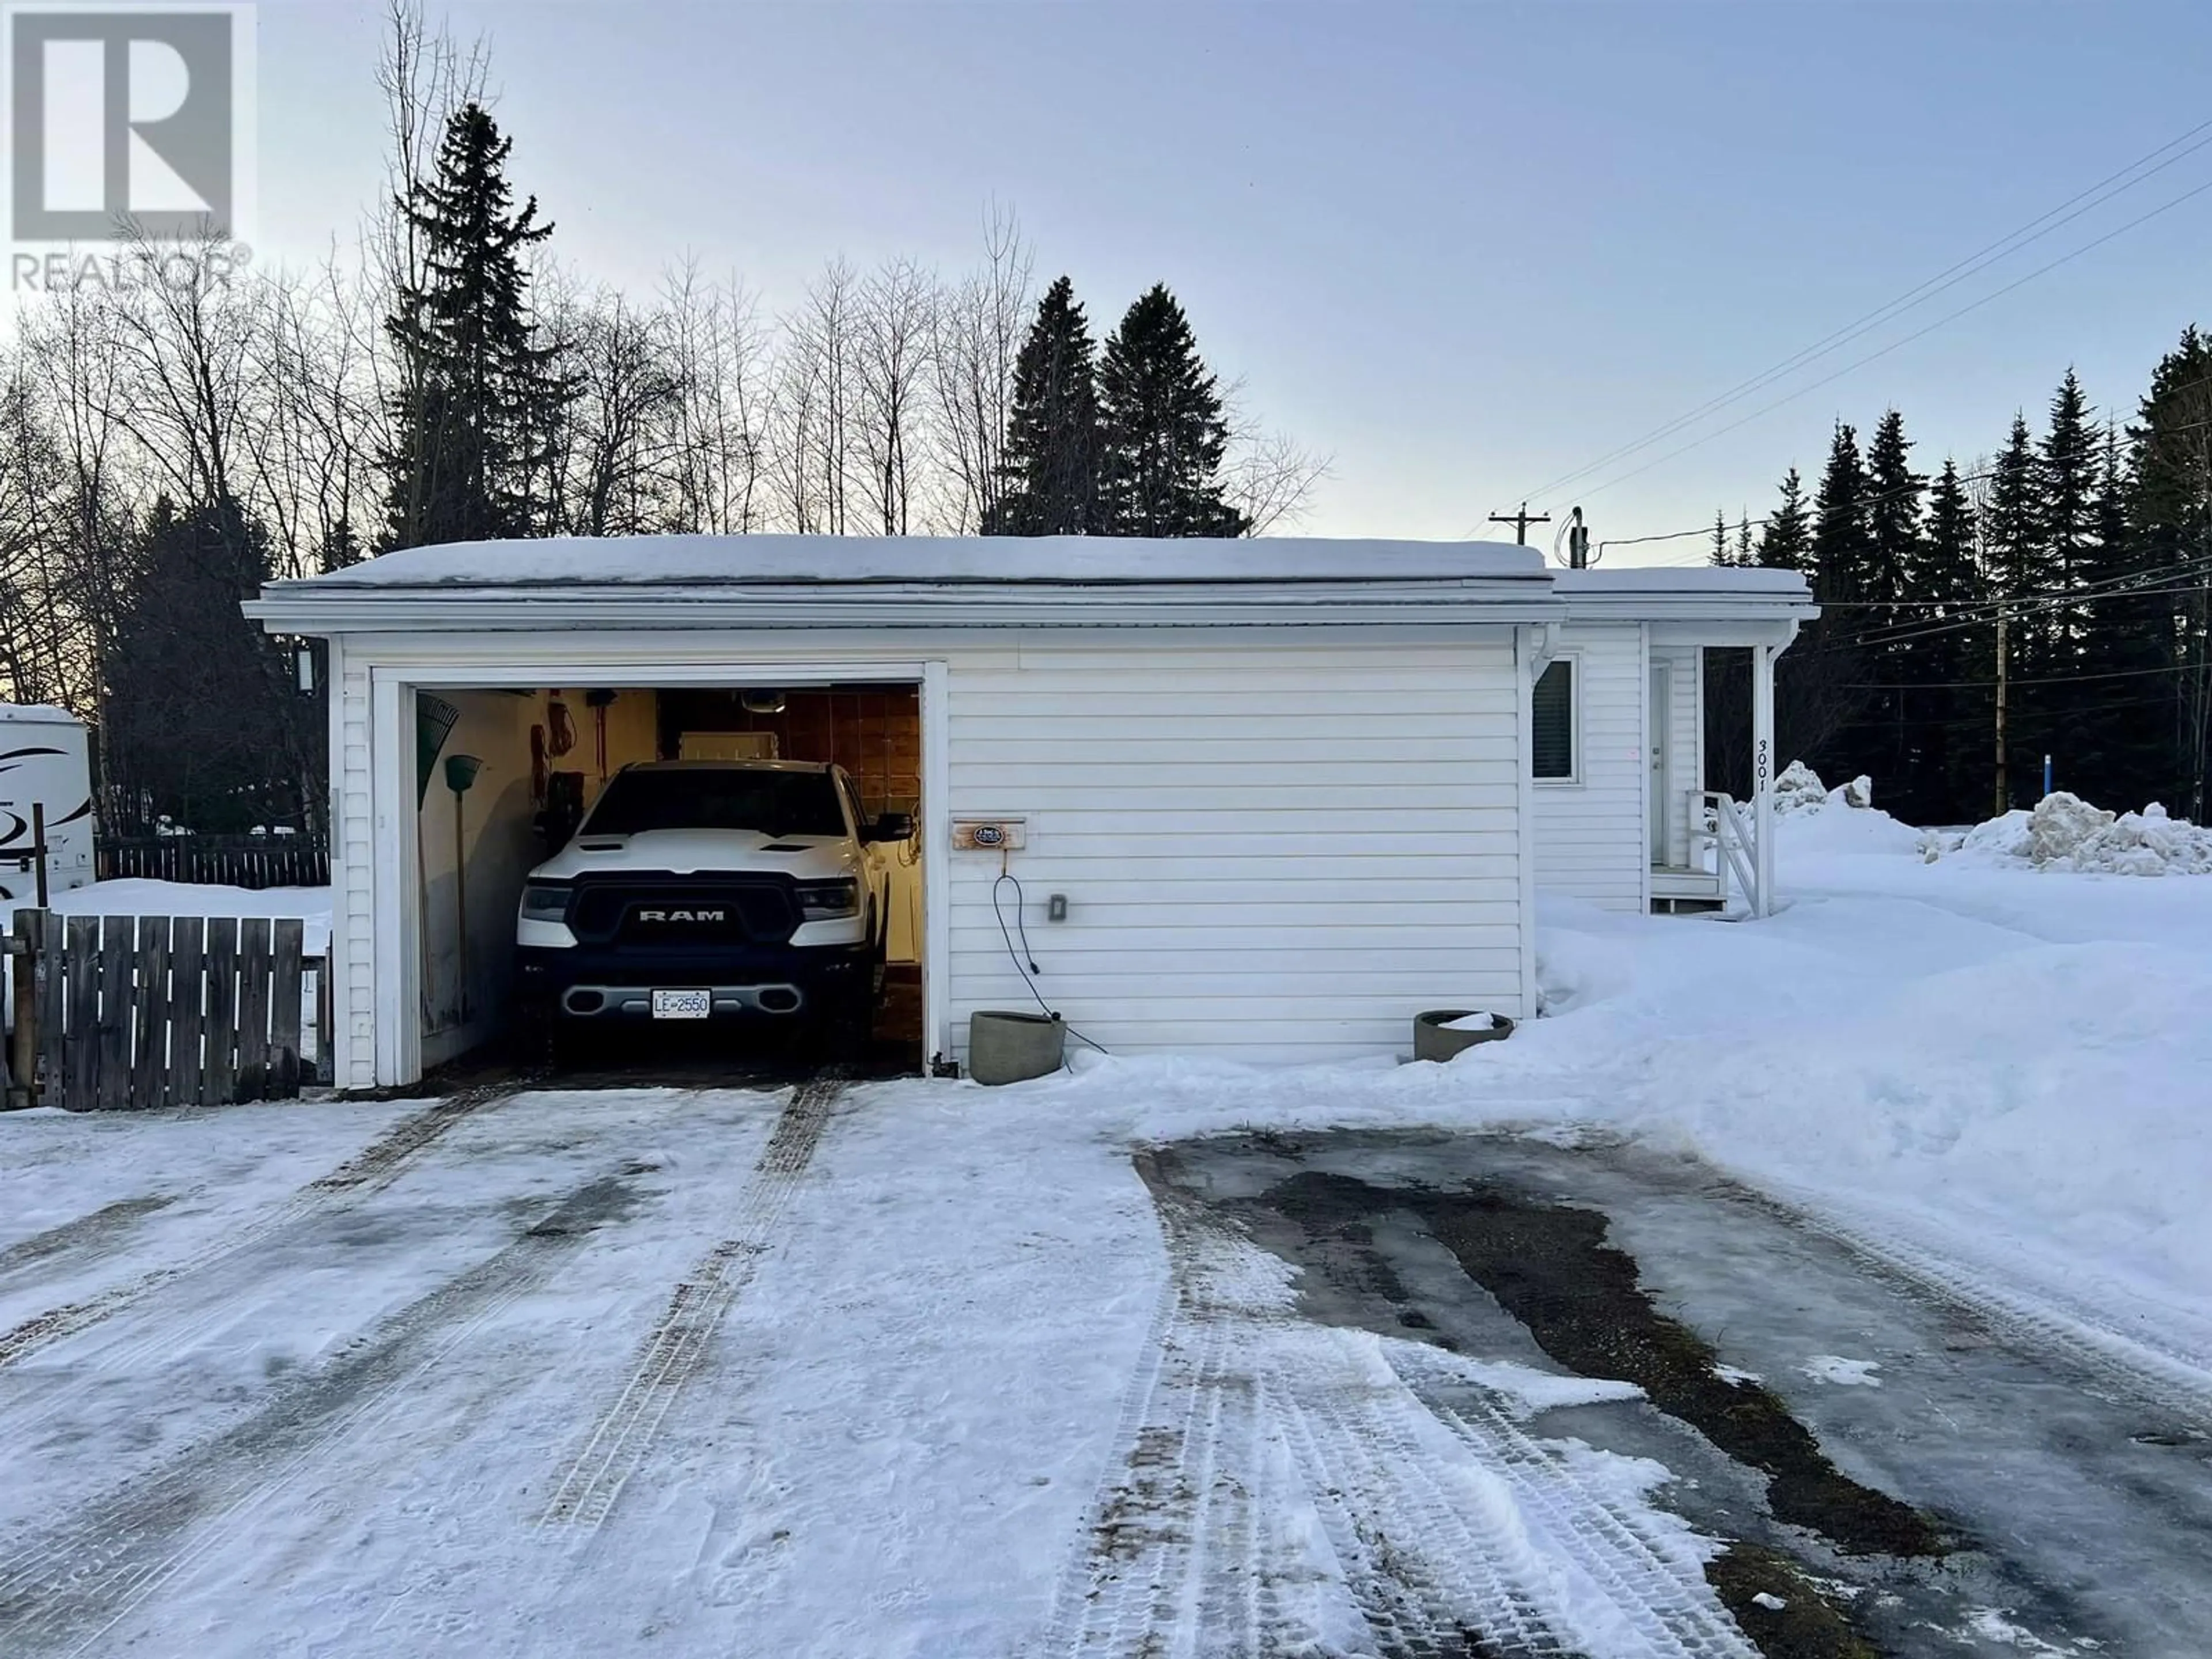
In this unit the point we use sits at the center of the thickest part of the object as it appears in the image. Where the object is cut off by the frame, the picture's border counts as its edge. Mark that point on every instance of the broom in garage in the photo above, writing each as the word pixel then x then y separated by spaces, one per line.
pixel 460 774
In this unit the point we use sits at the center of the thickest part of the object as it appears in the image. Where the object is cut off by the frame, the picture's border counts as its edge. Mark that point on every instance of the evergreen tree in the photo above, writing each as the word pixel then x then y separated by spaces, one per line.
pixel 1051 465
pixel 479 394
pixel 2114 748
pixel 2066 484
pixel 2170 522
pixel 1889 552
pixel 2066 468
pixel 1786 543
pixel 1946 717
pixel 2019 565
pixel 1720 554
pixel 2014 528
pixel 1893 513
pixel 1828 677
pixel 1746 553
pixel 203 724
pixel 1162 433
pixel 1839 528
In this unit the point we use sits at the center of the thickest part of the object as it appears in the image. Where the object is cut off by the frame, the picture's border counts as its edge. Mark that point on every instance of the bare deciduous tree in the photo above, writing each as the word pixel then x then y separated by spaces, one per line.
pixel 980 323
pixel 894 330
pixel 717 350
pixel 1270 478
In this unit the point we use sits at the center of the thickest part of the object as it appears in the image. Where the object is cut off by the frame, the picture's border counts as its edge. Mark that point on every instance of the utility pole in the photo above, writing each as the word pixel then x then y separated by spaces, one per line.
pixel 1520 521
pixel 2003 794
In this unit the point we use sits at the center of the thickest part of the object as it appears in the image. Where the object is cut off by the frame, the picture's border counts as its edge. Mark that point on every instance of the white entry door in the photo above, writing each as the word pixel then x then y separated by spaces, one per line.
pixel 1662 800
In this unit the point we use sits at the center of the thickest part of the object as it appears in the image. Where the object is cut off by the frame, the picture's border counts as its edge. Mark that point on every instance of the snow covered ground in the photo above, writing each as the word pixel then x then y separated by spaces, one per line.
pixel 175 898
pixel 738 1372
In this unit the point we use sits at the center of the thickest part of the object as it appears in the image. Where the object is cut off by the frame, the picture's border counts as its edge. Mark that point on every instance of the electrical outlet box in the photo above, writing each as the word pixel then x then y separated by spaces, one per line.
pixel 989 834
pixel 1055 907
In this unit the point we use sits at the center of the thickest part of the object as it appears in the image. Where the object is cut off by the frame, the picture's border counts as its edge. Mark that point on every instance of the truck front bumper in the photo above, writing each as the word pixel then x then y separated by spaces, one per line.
pixel 782 981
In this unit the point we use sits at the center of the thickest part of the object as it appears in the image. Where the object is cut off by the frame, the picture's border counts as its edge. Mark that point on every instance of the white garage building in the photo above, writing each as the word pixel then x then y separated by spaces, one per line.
pixel 1288 790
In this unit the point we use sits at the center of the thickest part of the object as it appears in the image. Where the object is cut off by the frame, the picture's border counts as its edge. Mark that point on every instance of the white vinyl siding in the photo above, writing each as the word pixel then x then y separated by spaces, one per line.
pixel 1592 840
pixel 353 927
pixel 1278 850
pixel 1686 710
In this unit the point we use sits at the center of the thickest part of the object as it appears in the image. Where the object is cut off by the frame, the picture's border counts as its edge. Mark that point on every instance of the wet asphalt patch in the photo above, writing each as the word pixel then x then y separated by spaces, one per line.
pixel 1549 1266
pixel 1890 1473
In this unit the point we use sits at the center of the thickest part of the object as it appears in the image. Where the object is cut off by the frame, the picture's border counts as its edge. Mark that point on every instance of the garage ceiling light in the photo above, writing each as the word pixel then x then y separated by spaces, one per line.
pixel 762 703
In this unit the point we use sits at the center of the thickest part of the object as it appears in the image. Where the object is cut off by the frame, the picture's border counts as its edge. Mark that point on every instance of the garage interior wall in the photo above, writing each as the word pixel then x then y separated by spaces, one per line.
pixel 501 845
pixel 1269 849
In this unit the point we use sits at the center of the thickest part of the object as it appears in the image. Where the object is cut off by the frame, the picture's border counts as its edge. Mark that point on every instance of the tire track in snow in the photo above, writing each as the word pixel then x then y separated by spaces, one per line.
pixel 1446 1522
pixel 2163 1373
pixel 81 1578
pixel 94 1234
pixel 367 1171
pixel 591 1481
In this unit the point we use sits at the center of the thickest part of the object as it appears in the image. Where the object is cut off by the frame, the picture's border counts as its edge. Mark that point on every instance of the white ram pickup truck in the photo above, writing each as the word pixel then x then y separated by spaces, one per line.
pixel 711 890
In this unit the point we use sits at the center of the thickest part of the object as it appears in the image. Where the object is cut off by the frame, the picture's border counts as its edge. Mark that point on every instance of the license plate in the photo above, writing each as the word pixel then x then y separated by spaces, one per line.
pixel 683 1005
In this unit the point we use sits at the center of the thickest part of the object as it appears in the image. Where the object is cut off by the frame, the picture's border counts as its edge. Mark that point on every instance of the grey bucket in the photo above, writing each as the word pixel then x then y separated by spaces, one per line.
pixel 1007 1046
pixel 1431 1040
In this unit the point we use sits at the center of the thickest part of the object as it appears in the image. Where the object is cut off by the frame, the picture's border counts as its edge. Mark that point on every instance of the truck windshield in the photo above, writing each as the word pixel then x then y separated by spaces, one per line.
pixel 773 802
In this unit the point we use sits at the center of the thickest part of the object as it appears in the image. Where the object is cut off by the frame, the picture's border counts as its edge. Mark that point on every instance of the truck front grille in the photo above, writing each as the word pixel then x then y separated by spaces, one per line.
pixel 678 910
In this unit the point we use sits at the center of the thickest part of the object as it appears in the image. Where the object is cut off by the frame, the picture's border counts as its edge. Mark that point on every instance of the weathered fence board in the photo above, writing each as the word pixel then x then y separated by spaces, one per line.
pixel 288 951
pixel 219 1084
pixel 149 1016
pixel 254 861
pixel 254 970
pixel 80 962
pixel 44 932
pixel 116 942
pixel 188 1010
pixel 135 1013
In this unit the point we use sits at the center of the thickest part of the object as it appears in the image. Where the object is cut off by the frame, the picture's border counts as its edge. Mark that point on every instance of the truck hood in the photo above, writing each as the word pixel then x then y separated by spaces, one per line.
pixel 697 852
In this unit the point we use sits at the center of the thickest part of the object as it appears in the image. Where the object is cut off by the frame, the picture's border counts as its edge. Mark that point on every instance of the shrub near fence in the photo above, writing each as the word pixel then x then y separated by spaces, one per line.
pixel 141 1012
pixel 253 861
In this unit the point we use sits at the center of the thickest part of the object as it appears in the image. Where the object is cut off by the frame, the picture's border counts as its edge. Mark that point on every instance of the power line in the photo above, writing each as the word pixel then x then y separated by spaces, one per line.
pixel 1899 344
pixel 1973 265
pixel 2128 583
pixel 2047 680
pixel 1761 523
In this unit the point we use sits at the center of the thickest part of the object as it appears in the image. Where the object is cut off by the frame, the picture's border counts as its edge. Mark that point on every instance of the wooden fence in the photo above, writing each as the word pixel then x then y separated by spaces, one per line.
pixel 131 1012
pixel 255 861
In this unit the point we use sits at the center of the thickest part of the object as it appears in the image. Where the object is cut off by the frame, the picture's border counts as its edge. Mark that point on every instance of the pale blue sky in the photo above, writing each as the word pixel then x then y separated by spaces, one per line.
pixel 1464 247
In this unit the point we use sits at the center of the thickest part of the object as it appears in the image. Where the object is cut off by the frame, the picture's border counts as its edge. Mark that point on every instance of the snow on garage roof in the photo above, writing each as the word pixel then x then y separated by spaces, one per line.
pixel 763 561
pixel 1674 593
pixel 1678 578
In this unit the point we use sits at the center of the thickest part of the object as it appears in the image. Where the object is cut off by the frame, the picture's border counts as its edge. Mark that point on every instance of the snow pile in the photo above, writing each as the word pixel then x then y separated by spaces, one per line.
pixel 1472 1023
pixel 2064 832
pixel 1799 790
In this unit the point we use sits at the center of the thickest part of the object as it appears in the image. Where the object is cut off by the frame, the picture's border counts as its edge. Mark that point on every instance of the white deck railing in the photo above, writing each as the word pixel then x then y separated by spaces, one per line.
pixel 1728 829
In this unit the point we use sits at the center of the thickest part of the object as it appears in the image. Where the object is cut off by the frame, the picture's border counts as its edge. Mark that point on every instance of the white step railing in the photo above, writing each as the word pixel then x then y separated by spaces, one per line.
pixel 1728 828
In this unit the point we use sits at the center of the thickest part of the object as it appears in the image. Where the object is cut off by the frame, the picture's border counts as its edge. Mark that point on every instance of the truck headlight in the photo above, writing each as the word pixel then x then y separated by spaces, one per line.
pixel 545 901
pixel 824 900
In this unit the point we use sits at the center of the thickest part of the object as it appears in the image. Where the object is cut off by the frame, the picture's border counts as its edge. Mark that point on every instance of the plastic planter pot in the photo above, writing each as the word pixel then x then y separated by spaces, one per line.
pixel 1434 1039
pixel 1005 1047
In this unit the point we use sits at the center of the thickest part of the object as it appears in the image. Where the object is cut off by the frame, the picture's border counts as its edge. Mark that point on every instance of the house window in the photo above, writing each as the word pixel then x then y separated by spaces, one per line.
pixel 1553 742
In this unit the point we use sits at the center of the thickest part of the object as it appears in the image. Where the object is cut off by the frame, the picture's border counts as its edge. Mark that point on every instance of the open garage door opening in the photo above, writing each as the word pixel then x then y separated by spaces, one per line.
pixel 669 879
